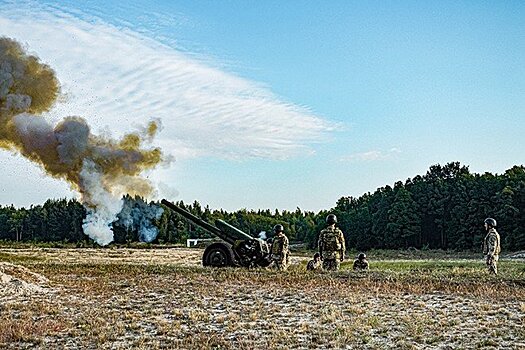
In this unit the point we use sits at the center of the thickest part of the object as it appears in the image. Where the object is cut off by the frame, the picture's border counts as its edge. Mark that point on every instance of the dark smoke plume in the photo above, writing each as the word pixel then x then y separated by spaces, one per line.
pixel 99 168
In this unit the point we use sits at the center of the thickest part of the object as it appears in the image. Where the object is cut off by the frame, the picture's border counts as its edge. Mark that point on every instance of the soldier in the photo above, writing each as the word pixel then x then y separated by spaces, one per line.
pixel 331 245
pixel 279 251
pixel 491 245
pixel 315 263
pixel 361 263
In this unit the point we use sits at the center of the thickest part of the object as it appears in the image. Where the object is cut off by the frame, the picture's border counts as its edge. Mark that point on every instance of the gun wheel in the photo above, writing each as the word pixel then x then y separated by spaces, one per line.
pixel 217 255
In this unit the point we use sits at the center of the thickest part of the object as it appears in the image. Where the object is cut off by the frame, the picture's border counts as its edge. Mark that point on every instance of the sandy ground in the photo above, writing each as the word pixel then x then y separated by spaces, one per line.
pixel 162 298
pixel 17 281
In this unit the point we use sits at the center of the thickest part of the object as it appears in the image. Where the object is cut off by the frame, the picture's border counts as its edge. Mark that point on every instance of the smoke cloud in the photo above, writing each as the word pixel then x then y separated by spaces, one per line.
pixel 137 216
pixel 100 169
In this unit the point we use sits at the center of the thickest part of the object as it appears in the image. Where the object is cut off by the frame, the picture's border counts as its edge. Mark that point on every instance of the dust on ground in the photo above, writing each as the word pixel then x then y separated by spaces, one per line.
pixel 163 298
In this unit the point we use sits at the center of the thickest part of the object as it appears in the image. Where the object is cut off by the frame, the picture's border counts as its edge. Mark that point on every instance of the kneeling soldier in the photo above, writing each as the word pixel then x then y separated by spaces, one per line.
pixel 315 263
pixel 361 263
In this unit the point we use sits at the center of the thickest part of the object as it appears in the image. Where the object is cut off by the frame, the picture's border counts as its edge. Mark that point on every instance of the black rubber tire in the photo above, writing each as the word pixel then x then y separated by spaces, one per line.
pixel 264 262
pixel 217 255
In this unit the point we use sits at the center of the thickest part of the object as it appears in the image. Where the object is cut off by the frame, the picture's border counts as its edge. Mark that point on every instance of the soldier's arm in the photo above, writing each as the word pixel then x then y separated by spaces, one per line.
pixel 284 250
pixel 286 244
pixel 343 247
pixel 492 245
pixel 320 245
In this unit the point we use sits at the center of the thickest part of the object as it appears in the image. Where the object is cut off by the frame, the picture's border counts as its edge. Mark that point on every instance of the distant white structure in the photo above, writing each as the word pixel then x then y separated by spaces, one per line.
pixel 192 242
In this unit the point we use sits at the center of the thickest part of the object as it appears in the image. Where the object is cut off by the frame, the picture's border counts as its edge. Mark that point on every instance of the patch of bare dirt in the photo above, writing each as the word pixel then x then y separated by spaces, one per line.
pixel 16 281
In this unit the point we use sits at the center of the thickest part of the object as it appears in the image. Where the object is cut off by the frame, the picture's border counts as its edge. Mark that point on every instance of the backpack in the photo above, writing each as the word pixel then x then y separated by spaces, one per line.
pixel 330 241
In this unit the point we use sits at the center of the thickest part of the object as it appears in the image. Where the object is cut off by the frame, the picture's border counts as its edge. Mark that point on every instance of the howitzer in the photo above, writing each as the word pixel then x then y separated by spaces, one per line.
pixel 237 247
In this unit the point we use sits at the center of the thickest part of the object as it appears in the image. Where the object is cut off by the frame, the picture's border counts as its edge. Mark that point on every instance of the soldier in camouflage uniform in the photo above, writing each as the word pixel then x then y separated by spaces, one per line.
pixel 279 251
pixel 331 245
pixel 315 263
pixel 491 245
pixel 361 263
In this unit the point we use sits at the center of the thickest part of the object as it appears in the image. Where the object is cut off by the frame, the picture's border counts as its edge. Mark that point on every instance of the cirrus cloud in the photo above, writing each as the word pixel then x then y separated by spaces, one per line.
pixel 117 78
pixel 370 156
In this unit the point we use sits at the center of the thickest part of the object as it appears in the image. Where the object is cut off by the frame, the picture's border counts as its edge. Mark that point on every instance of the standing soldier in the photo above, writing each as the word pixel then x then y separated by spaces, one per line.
pixel 491 245
pixel 279 251
pixel 331 245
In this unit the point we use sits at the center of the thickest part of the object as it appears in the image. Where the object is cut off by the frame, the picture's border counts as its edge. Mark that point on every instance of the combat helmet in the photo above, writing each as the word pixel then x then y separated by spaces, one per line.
pixel 331 219
pixel 278 228
pixel 490 221
pixel 361 256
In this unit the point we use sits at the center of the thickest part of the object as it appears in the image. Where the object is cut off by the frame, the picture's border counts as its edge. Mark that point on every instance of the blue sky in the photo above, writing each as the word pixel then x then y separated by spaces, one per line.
pixel 283 104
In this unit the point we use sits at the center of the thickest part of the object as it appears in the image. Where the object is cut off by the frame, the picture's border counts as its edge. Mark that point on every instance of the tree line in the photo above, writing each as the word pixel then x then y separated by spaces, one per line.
pixel 443 209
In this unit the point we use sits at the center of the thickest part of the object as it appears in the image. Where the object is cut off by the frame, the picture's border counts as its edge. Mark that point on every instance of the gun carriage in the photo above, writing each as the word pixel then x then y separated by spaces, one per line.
pixel 236 247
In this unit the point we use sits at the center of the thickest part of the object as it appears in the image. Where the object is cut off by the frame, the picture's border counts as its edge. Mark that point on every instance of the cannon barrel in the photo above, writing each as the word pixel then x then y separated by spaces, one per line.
pixel 238 248
pixel 232 230
pixel 199 222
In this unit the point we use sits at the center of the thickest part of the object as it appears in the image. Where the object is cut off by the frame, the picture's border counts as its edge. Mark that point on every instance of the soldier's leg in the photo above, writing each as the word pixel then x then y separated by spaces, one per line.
pixel 494 265
pixel 337 264
pixel 491 264
pixel 493 268
pixel 282 265
pixel 329 264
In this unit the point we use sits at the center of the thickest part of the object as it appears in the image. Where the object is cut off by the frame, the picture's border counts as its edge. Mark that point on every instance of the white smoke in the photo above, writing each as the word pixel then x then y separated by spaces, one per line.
pixel 137 215
pixel 97 223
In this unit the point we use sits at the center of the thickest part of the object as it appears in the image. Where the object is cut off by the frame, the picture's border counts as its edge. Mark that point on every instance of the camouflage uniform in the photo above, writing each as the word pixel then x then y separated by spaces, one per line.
pixel 360 264
pixel 332 247
pixel 280 251
pixel 313 265
pixel 491 248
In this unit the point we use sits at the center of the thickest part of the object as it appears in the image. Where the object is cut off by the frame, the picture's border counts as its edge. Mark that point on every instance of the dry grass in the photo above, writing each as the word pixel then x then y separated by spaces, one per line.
pixel 163 299
pixel 26 329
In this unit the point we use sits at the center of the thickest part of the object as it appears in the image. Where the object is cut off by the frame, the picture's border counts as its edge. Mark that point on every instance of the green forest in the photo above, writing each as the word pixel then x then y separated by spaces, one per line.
pixel 442 209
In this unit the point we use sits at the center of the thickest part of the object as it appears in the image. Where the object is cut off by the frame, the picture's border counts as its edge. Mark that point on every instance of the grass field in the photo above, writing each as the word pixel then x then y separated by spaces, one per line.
pixel 162 298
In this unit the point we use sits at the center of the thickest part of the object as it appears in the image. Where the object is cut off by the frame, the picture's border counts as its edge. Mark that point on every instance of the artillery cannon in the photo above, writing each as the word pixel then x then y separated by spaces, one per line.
pixel 237 247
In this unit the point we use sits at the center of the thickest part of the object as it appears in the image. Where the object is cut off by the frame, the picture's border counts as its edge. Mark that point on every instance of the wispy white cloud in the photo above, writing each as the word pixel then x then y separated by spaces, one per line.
pixel 117 78
pixel 370 156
